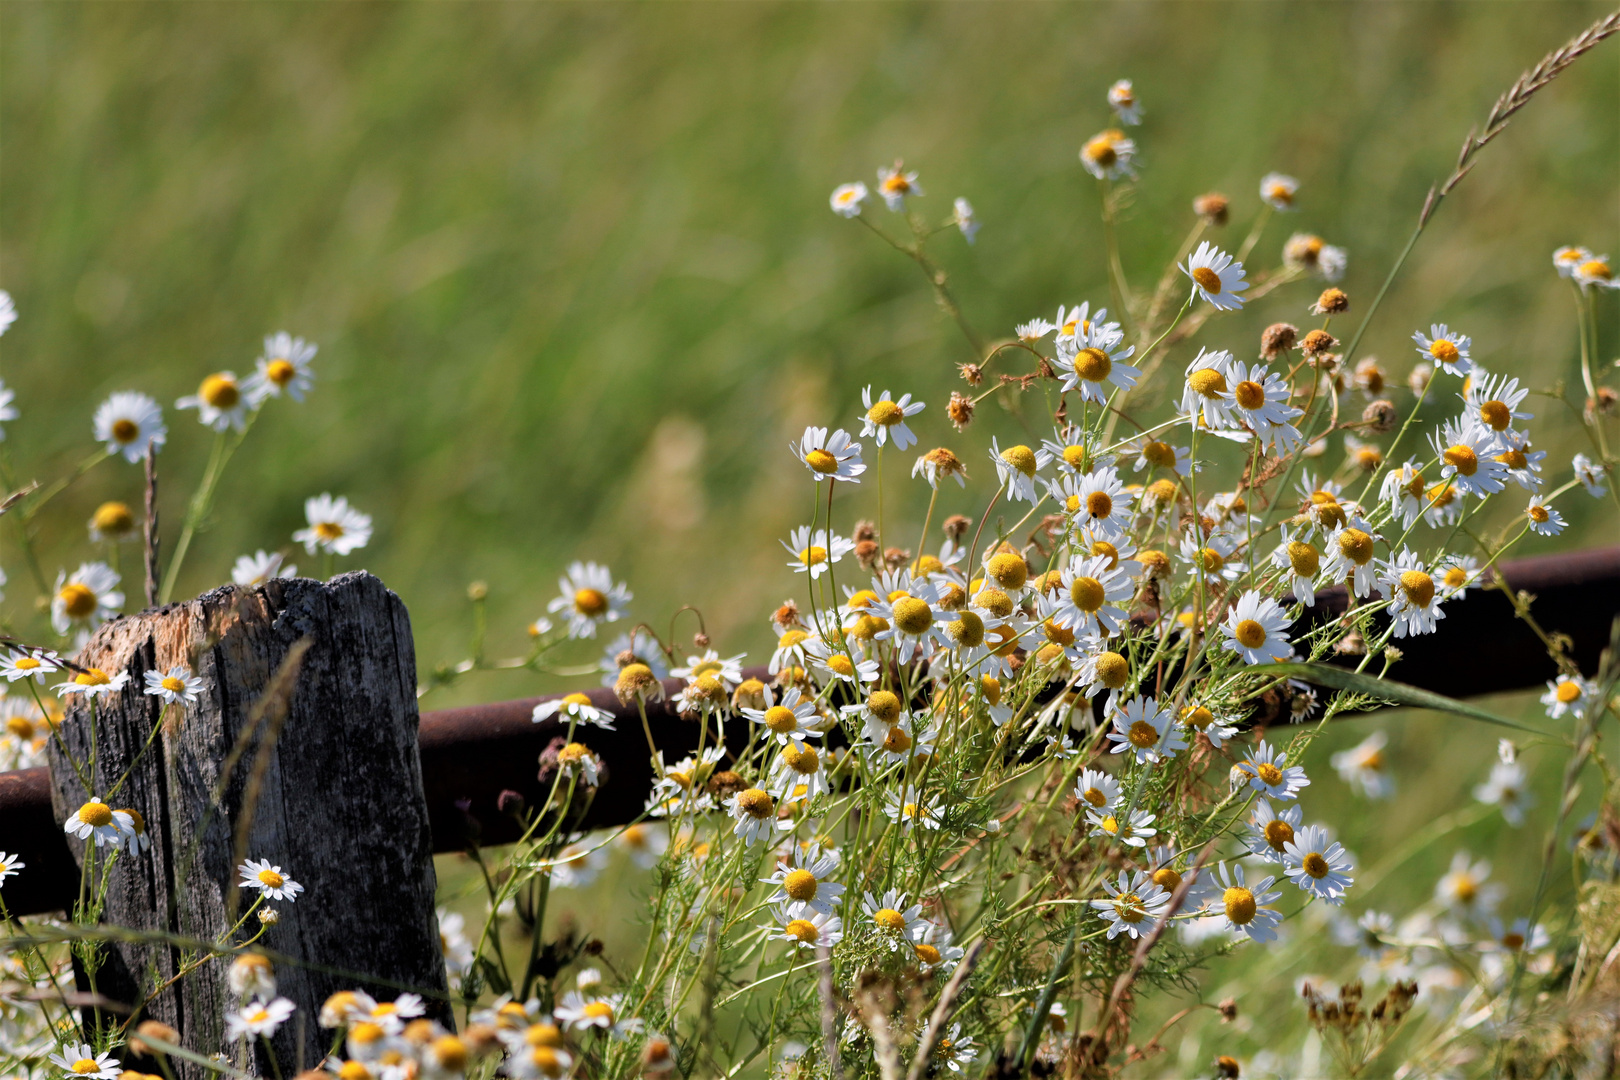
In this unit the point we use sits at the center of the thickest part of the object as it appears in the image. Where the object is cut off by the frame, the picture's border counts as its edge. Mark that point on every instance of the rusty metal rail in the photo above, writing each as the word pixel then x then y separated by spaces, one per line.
pixel 471 756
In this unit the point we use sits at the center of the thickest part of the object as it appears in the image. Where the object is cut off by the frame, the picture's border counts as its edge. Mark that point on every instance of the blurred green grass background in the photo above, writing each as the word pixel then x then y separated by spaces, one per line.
pixel 576 285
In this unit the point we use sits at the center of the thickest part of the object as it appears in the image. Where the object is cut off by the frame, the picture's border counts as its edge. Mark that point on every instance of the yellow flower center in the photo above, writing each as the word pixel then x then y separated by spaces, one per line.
pixel 1513 458
pixel 1099 504
pixel 1021 458
pixel 804 930
pixel 1304 558
pixel 967 631
pixel 812 555
pixel 591 603
pixel 271 879
pixel 1268 773
pixel 1160 454
pixel 1513 941
pixel 280 371
pixel 781 719
pixel 821 461
pixel 576 698
pixel 1279 834
pixel 896 184
pixel 889 919
pixel 96 814
pixel 912 616
pixel 26 663
pixel 543 1058
pixel 572 754
pixel 173 684
pixel 1418 587
pixel 884 705
pixel 1207 382
pixel 927 564
pixel 840 664
pixel 1197 716
pixel 1496 414
pixel 994 601
pixel 1207 279
pixel 1240 905
pixel 1074 457
pixel 927 953
pixel 1314 865
pixel 20 726
pixel 1568 692
pixel 885 413
pixel 220 391
pixel 1058 635
pixel 1167 879
pixel 92 677
pixel 1009 570
pixel 1281 193
pixel 328 530
pixel 1356 545
pixel 125 430
pixel 1250 634
pixel 451 1053
pixel 79 601
pixel 801 759
pixel 897 741
pixel 1129 907
pixel 1094 797
pixel 991 688
pixel 113 518
pixel 1211 560
pixel 1100 151
pixel 1466 888
pixel 1109 825
pixel 1112 670
pixel 1442 494
pixel 1092 365
pixel 86 1065
pixel 800 885
pixel 1143 735
pixel 1444 351
pixel 1596 268
pixel 1087 594
pixel 598 1010
pixel 1456 577
pixel 1250 395
pixel 1462 458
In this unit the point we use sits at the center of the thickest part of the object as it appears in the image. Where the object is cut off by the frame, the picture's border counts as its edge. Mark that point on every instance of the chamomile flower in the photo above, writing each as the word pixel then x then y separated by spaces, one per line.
pixel 579 1012
pixel 1259 399
pixel 915 619
pixel 1097 502
pixel 753 813
pixel 803 885
pixel 1309 253
pixel 1445 348
pixel 1016 467
pixel 1208 379
pixel 269 880
pixel 1032 331
pixel 847 199
pixel 176 684
pixel 1256 629
pixel 905 809
pixel 1301 562
pixel 1109 155
pixel 836 456
pixel 1243 904
pixel 1277 190
pixel 799 771
pixel 1403 489
pixel 334 525
pixel 1468 451
pixel 86 598
pixel 1365 768
pixel 895 920
pixel 83 1063
pixel 577 865
pixel 29 664
pixel 10 866
pixel 1097 790
pixel 1466 888
pixel 814 552
pixel 789 720
pixel 1093 362
pixel 283 367
pixel 589 598
pixel 1144 729
pixel 910 739
pixel 540 1062
pixel 260 567
pixel 1457 574
pixel 811 930
pixel 1135 831
pixel 96 819
pixel 1544 520
pixel 1507 788
pixel 1134 904
pixel 1269 773
pixel 1368 935
pixel 1494 400
pixel 1318 865
pixel 220 402
pixel 257 1018
pixel 962 216
pixel 1593 475
pixel 1523 463
pixel 1091 591
pixel 1122 99
pixel 1216 277
pixel 894 184
pixel 888 417
pixel 1517 935
pixel 1078 321
pixel 93 683
pixel 575 707
pixel 940 464
pixel 1272 829
pixel 837 664
pixel 1566 260
pixel 1568 694
pixel 1414 601
pixel 1596 272
pixel 127 423
pixel 1212 725
pixel 933 949
pixel 1350 551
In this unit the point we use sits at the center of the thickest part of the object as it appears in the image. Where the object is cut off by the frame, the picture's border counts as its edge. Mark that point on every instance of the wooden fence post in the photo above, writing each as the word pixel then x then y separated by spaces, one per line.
pixel 308 761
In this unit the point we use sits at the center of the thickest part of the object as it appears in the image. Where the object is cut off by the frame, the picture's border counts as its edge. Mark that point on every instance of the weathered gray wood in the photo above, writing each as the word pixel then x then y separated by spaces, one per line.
pixel 339 806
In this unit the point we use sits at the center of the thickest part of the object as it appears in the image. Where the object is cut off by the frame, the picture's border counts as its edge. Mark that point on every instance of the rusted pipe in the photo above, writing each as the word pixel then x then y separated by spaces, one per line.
pixel 471 756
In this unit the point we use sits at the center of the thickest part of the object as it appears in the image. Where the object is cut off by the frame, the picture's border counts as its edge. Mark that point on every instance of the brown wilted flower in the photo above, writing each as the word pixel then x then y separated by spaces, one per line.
pixel 1331 302
pixel 1317 342
pixel 894 557
pixel 1380 416
pixel 700 640
pixel 1277 339
pixel 636 681
pixel 866 553
pixel 960 410
pixel 1228 1009
pixel 726 783
pixel 864 530
pixel 152 1029
pixel 786 617
pixel 956 526
pixel 972 374
pixel 1602 404
pixel 1212 207
pixel 941 464
pixel 1370 377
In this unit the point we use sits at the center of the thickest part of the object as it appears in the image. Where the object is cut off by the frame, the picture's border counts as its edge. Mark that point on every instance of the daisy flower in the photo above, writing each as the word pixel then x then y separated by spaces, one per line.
pixel 956 1050
pixel 638 652
pixel 900 807
pixel 810 930
pixel 177 684
pixel 1403 489
pixel 814 552
pixel 913 617
pixel 1243 904
pixel 1134 904
pixel 1523 463
pixel 839 665
pixel 1145 730
pixel 799 772
pixel 1260 400
pixel 788 721
pixel 1544 520
pixel 86 598
pixel 579 1012
pixel 753 813
pixel 1307 252
pixel 896 921
pixel 334 525
pixel 541 1062
pixel 95 818
pixel 887 416
pixel 575 707
pixel 1097 502
pixel 802 885
pixel 1465 888
pixel 1458 574
pixel 1153 454
pixel 894 184
pixel 847 199
pixel 577 759
pixel 1135 831
pixel 1016 467
pixel 1122 99
pixel 1445 348
pixel 911 739
pixel 1318 865
pixel 284 366
pixel 112 522
pixel 1277 190
pixel 645 844
pixel 1269 773
pixel 29 665
pixel 1092 359
pixel 260 567
pixel 963 218
pixel 10 865
pixel 1519 935
pixel 269 880
pixel 1365 768
pixel 1596 271
pixel 1567 259
pixel 1200 718
pixel 1593 475
pixel 1078 321
pixel 1350 550
pixel 1091 591
pixel 261 1018
pixel 1206 388
pixel 1271 830
pixel 940 464
pixel 1568 694
pixel 93 683
pixel 1216 277
pixel 933 949
pixel 1256 629
pixel 1414 602
pixel 127 423
pixel 1032 331
pixel 789 654
pixel 836 456
pixel 589 597
pixel 1301 562
pixel 82 1063
pixel 1109 155
pixel 1508 789
pixel 1468 452
pixel 1494 400
pixel 220 402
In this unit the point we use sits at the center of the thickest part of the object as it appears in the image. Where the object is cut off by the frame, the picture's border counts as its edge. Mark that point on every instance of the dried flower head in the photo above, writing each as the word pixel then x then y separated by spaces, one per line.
pixel 1317 342
pixel 1277 339
pixel 1331 302
pixel 956 526
pixel 960 410
pixel 1380 416
pixel 1212 207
